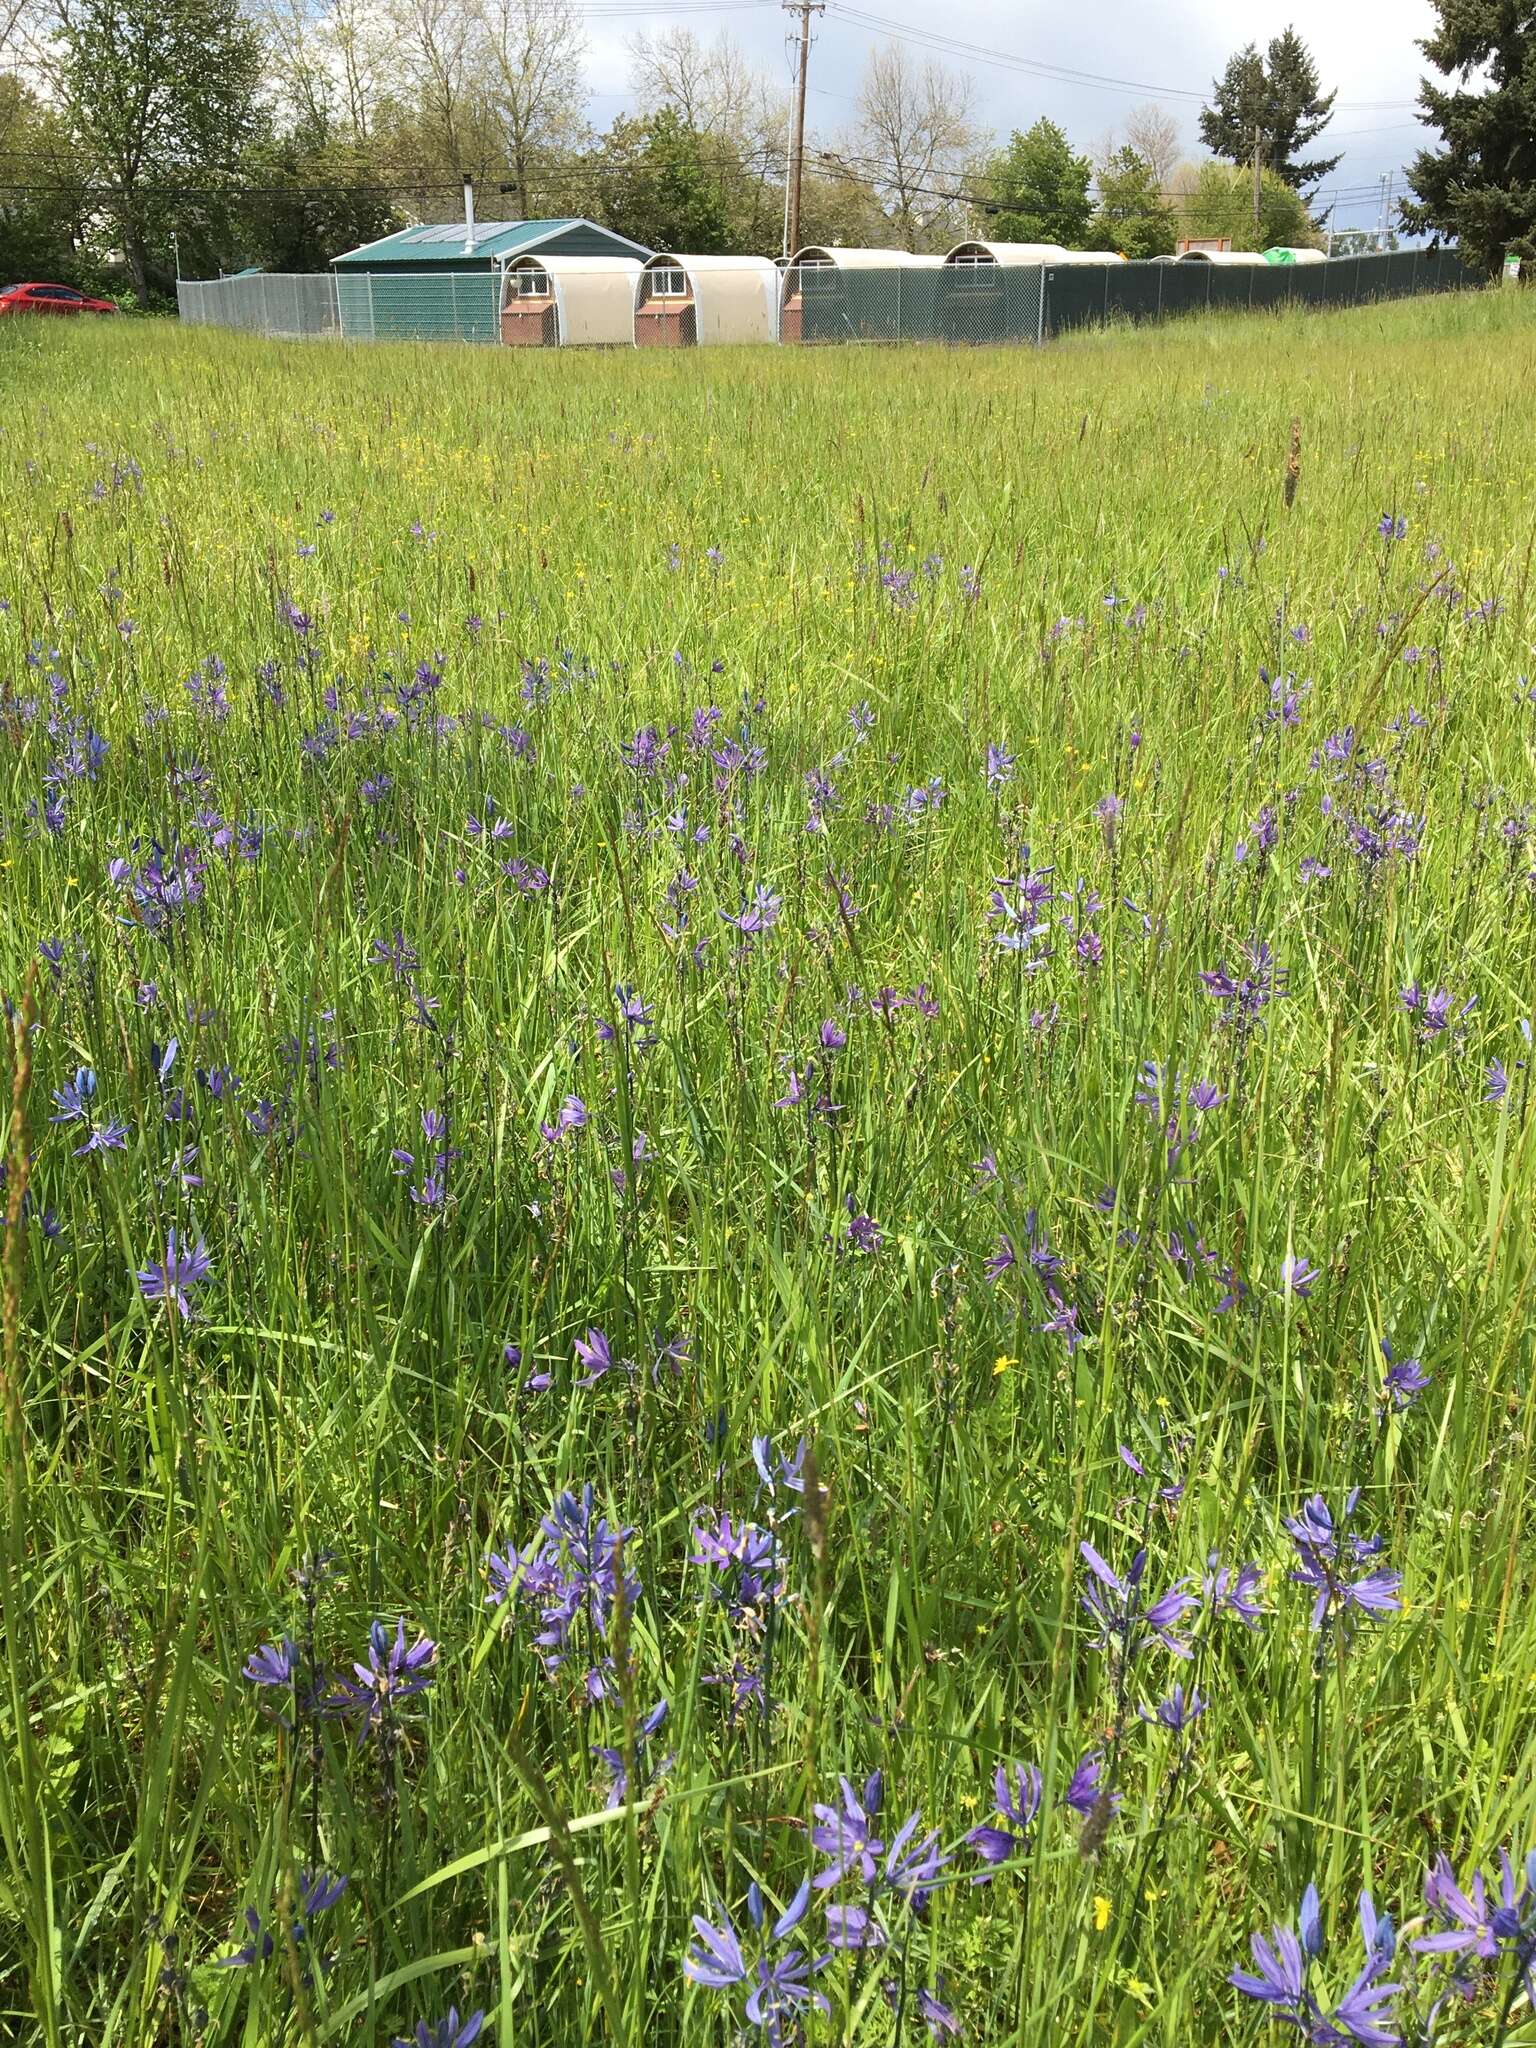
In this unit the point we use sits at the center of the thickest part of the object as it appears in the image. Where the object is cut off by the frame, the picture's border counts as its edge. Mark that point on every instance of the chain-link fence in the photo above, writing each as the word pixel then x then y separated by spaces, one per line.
pixel 1083 295
pixel 968 302
pixel 975 301
pixel 825 302
pixel 448 306
pixel 261 304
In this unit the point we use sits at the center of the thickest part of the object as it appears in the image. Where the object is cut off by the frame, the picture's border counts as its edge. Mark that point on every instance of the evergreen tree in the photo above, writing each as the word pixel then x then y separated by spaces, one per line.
pixel 1481 187
pixel 1277 99
pixel 1239 107
pixel 1298 113
pixel 1132 215
pixel 1040 190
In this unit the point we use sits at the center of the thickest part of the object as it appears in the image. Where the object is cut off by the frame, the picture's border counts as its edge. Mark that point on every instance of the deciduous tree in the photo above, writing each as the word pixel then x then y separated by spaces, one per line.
pixel 1220 206
pixel 1037 190
pixel 161 98
pixel 913 139
pixel 1132 215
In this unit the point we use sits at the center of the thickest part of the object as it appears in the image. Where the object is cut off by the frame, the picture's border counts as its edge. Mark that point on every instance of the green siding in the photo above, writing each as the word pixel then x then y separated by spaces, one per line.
pixel 448 306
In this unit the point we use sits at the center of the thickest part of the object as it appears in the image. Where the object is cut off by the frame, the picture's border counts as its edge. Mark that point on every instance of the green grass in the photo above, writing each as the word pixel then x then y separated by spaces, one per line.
pixel 343 1387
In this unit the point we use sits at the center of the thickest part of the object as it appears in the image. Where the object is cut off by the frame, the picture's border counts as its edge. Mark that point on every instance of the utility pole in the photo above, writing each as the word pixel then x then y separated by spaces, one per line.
pixel 1257 188
pixel 805 9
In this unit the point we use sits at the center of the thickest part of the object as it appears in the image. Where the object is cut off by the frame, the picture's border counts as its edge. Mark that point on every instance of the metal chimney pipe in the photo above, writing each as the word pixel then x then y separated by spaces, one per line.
pixel 469 215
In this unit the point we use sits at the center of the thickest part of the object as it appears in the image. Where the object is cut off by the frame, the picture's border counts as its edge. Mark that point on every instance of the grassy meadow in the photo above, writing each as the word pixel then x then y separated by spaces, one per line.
pixel 898 962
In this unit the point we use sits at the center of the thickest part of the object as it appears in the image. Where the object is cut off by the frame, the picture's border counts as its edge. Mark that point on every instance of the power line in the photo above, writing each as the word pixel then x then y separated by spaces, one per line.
pixel 805 9
pixel 982 53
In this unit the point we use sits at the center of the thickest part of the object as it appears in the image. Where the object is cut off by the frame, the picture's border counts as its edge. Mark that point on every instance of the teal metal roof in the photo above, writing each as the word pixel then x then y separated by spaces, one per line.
pixel 495 241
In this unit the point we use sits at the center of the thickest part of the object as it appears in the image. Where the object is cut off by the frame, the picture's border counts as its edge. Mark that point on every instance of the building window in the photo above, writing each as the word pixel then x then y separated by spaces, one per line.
pixel 817 278
pixel 973 267
pixel 670 282
pixel 530 284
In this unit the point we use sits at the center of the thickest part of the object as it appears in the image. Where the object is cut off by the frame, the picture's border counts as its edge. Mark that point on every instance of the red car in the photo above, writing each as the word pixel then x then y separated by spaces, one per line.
pixel 49 298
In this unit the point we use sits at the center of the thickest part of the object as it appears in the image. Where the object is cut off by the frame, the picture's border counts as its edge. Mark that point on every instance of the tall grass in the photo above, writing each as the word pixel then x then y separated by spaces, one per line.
pixel 1321 738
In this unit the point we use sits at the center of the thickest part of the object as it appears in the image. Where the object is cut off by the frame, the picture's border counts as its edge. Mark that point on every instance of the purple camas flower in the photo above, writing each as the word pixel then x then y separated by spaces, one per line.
pixel 274 1664
pixel 743 1558
pixel 1243 996
pixel 1261 836
pixel 74 1097
pixel 1179 1711
pixel 1433 1009
pixel 1229 1589
pixel 1125 1617
pixel 1062 1320
pixel 936 2016
pixel 758 916
pixel 775 1472
pixel 318 1892
pixel 571 1116
pixel 595 1353
pixel 576 1573
pixel 1297 1278
pixel 782 1991
pixel 394 1673
pixel 181 1270
pixel 846 1833
pixel 449 2032
pixel 1017 1802
pixel 1005 1258
pixel 910 1868
pixel 1085 1789
pixel 647 1772
pixel 1282 1980
pixel 1328 1560
pixel 1405 1378
pixel 862 1235
pixel 998 767
pixel 1480 1922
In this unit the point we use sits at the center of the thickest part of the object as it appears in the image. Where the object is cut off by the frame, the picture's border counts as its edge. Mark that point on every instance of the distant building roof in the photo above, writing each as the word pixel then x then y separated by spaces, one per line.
pixel 494 241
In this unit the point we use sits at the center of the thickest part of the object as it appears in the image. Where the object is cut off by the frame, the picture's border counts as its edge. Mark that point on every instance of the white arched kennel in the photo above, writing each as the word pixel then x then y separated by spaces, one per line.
pixel 569 302
pixel 683 300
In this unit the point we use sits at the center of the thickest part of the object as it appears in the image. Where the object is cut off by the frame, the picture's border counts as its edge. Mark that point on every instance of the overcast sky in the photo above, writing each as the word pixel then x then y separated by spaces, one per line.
pixel 1164 50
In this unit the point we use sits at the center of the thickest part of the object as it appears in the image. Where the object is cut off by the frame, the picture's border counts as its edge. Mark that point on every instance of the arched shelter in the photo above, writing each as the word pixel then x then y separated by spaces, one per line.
pixel 833 294
pixel 569 302
pixel 684 300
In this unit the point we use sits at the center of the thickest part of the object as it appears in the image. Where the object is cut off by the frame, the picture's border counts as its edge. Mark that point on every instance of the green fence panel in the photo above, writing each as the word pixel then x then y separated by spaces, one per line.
pixel 1134 291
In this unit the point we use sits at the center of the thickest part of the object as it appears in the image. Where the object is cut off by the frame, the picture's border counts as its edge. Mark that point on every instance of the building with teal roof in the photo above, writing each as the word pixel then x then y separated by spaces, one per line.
pixel 482 247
